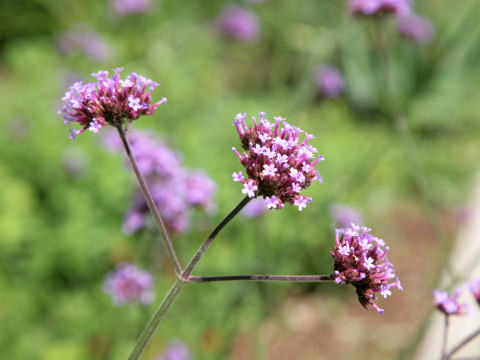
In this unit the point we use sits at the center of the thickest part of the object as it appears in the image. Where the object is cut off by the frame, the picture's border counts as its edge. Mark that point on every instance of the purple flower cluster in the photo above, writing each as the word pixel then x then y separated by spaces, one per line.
pixel 343 215
pixel 128 284
pixel 278 166
pixel 108 101
pixel 238 23
pixel 360 259
pixel 375 7
pixel 175 189
pixel 84 41
pixel 329 80
pixel 449 304
pixel 126 7
pixel 177 350
pixel 416 28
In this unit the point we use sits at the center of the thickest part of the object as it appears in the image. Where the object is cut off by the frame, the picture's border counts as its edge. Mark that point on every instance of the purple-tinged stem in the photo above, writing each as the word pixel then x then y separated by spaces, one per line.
pixel 445 338
pixel 463 343
pixel 284 278
pixel 174 291
pixel 151 204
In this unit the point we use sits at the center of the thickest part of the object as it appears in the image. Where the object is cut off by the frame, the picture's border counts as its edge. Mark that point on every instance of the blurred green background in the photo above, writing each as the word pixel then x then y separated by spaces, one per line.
pixel 60 231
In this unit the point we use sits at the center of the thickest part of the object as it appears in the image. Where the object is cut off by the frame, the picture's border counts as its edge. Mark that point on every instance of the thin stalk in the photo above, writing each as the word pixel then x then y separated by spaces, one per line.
pixel 157 317
pixel 151 204
pixel 463 343
pixel 445 338
pixel 284 278
pixel 174 291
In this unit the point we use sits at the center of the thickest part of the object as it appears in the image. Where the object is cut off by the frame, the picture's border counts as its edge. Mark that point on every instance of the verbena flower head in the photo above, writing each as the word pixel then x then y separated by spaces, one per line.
pixel 416 28
pixel 126 7
pixel 449 304
pixel 129 284
pixel 360 259
pixel 474 288
pixel 238 23
pixel 177 350
pixel 329 80
pixel 376 7
pixel 109 101
pixel 343 215
pixel 176 190
pixel 278 164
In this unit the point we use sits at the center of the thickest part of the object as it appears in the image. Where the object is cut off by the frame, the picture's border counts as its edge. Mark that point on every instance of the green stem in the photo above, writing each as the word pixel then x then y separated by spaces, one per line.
pixel 174 291
pixel 284 278
pixel 151 204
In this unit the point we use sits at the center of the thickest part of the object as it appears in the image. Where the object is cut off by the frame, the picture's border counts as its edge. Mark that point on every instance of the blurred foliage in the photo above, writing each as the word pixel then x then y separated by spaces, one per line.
pixel 60 232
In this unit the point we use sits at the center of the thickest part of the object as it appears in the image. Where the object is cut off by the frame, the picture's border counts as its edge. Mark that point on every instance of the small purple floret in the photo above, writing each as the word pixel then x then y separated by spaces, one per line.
pixel 449 304
pixel 416 28
pixel 238 23
pixel 177 350
pixel 360 260
pixel 278 165
pixel 129 284
pixel 376 7
pixel 329 80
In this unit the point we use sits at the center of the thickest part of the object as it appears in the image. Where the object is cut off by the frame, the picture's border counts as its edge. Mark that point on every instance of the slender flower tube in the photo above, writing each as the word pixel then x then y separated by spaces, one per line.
pixel 278 165
pixel 109 101
pixel 360 259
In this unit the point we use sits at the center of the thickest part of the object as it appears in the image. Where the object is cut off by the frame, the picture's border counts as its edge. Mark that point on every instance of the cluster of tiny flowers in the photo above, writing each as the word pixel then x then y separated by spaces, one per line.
pixel 360 259
pixel 416 28
pixel 175 189
pixel 128 284
pixel 238 23
pixel 177 350
pixel 126 7
pixel 329 80
pixel 278 166
pixel 449 304
pixel 375 7
pixel 108 101
pixel 343 215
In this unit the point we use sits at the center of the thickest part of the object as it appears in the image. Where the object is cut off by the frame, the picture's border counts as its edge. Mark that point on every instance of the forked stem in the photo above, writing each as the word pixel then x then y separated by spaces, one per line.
pixel 174 291
pixel 151 204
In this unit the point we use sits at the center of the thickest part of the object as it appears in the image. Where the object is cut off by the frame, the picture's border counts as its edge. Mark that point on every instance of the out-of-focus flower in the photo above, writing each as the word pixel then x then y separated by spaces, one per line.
pixel 416 28
pixel 329 80
pixel 360 259
pixel 74 162
pixel 238 23
pixel 255 208
pixel 474 288
pixel 255 1
pixel 375 7
pixel 109 101
pixel 177 350
pixel 85 41
pixel 449 304
pixel 126 7
pixel 278 166
pixel 343 215
pixel 129 284
pixel 175 189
